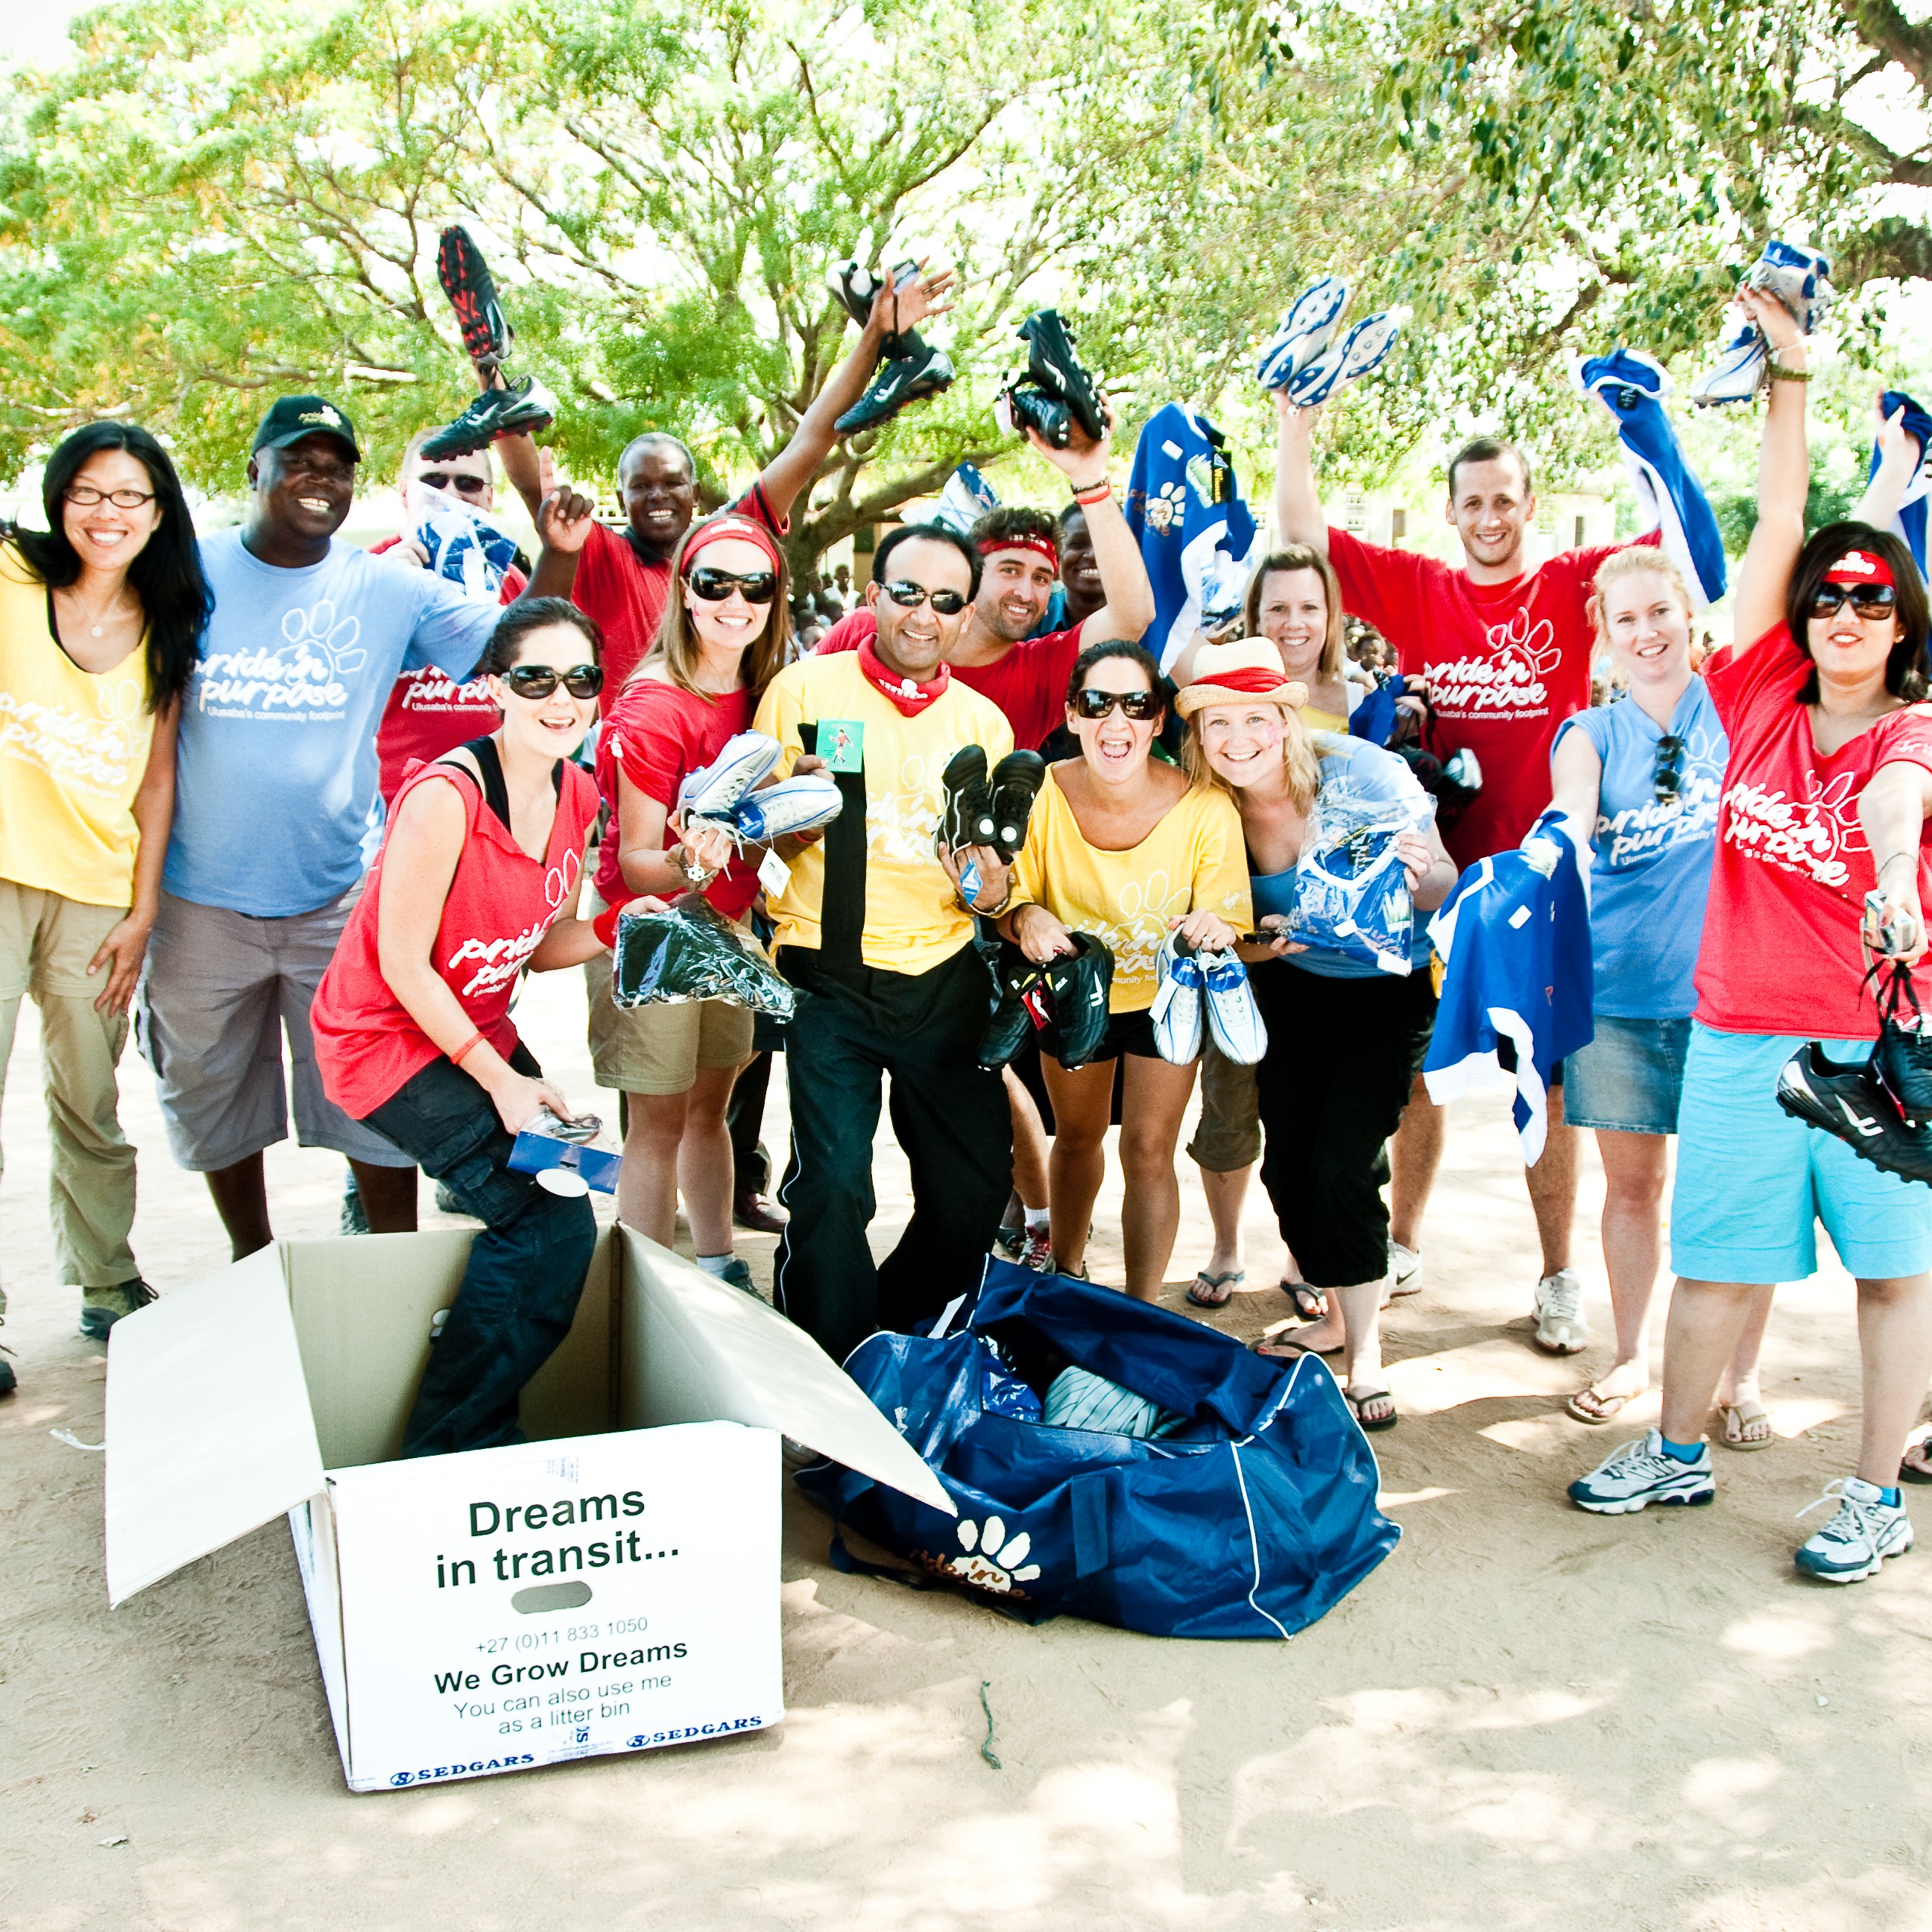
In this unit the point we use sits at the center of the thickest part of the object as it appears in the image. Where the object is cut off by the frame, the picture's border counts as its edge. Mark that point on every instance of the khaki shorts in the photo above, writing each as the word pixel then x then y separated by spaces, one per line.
pixel 1229 1135
pixel 660 1049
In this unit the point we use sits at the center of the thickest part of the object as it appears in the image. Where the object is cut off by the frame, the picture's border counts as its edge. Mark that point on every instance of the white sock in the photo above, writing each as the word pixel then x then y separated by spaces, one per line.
pixel 1038 1217
pixel 715 1264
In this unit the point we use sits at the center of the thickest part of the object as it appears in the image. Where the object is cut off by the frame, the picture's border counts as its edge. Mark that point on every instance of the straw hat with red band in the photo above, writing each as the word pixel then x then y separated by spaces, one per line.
pixel 1226 673
pixel 729 529
pixel 1861 566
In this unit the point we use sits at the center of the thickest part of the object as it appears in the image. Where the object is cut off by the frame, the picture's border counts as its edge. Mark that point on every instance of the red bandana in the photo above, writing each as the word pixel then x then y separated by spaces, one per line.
pixel 1042 546
pixel 728 527
pixel 908 693
pixel 1860 566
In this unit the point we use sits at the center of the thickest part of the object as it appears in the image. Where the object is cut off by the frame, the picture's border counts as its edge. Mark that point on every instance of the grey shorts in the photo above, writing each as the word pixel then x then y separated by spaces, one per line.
pixel 219 990
pixel 1228 1134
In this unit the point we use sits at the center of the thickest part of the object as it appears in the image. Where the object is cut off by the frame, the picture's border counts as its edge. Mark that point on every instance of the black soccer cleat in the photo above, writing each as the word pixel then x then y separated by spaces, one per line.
pixel 1054 366
pixel 465 279
pixel 913 368
pixel 521 410
pixel 1021 1010
pixel 857 288
pixel 1848 1102
pixel 1020 407
pixel 1017 779
pixel 966 818
pixel 1903 1058
pixel 1079 985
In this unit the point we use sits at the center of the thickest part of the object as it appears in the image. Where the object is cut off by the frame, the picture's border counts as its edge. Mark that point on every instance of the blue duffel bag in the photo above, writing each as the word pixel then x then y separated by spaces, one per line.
pixel 1249 1513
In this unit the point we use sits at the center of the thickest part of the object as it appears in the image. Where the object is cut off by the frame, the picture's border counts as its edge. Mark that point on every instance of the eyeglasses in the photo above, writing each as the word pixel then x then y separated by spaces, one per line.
pixel 1867 600
pixel 760 587
pixel 1140 705
pixel 536 681
pixel 1666 778
pixel 441 479
pixel 903 590
pixel 84 496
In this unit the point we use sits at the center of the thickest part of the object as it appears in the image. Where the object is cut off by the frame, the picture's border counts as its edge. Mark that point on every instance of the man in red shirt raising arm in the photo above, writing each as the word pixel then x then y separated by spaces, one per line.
pixel 1504 649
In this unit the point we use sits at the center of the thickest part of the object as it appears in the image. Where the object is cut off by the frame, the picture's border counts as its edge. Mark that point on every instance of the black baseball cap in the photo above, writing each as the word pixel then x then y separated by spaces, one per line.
pixel 294 417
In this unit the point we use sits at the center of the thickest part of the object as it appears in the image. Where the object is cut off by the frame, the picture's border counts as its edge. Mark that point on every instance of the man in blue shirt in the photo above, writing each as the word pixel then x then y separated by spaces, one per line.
pixel 276 795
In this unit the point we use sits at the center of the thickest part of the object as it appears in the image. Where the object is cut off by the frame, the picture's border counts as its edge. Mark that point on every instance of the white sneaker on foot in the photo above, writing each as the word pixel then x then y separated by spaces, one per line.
pixel 1404 1270
pixel 1863 1532
pixel 1560 1329
pixel 1642 1472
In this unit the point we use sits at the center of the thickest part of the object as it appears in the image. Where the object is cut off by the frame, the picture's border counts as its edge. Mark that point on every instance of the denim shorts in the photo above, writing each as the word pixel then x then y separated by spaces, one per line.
pixel 1630 1078
pixel 1752 1183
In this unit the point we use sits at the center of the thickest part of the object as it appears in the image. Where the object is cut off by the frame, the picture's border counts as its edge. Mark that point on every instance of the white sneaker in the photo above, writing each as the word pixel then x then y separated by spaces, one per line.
pixel 1741 369
pixel 799 804
pixel 1560 1329
pixel 1865 1530
pixel 1643 1472
pixel 714 792
pixel 1404 1270
pixel 1233 1019
pixel 1176 1012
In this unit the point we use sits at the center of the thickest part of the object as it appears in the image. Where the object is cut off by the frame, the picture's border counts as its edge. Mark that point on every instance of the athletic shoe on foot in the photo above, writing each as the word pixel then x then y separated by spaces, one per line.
pixel 1036 1251
pixel 800 804
pixel 351 1220
pixel 465 279
pixel 1848 1102
pixel 1176 1013
pixel 1742 368
pixel 522 410
pixel 1863 1531
pixel 966 811
pixel 1016 781
pixel 1021 407
pixel 1640 1473
pixel 738 1274
pixel 1903 1058
pixel 1055 369
pixel 757 1212
pixel 1306 331
pixel 913 368
pixel 719 788
pixel 1077 986
pixel 9 1381
pixel 1233 1019
pixel 1364 349
pixel 1405 1268
pixel 446 1200
pixel 1560 1328
pixel 100 1308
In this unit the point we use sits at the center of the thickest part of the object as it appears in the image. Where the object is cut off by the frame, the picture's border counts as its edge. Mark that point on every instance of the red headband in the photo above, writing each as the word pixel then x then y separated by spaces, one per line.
pixel 1044 545
pixel 1860 566
pixel 740 530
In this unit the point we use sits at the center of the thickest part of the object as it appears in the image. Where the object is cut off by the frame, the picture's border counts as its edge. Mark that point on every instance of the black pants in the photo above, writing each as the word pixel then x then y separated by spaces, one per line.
pixel 855 1025
pixel 526 1270
pixel 1341 1056
pixel 744 1117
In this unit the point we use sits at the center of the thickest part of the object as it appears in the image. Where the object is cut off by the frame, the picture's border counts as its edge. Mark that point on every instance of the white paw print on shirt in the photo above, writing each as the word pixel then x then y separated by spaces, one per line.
pixel 991 1562
pixel 1167 507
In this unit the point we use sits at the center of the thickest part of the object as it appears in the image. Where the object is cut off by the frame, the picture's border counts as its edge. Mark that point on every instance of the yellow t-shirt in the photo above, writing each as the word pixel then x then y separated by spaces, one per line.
pixel 73 746
pixel 1319 720
pixel 1194 860
pixel 913 921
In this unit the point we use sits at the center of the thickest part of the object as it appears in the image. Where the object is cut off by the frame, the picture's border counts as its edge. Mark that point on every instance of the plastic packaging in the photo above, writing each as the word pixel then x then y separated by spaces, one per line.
pixel 1351 892
pixel 692 952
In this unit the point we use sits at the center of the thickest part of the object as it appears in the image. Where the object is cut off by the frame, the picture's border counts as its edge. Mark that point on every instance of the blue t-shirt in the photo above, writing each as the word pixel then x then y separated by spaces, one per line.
pixel 1651 872
pixel 277 774
pixel 1377 774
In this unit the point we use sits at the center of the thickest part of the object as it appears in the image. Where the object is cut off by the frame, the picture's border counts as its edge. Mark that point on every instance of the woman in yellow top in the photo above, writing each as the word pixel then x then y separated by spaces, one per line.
pixel 1124 847
pixel 101 615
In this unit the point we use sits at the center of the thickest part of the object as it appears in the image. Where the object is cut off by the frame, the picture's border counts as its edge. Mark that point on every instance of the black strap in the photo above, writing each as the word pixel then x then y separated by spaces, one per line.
pixel 841 911
pixel 495 793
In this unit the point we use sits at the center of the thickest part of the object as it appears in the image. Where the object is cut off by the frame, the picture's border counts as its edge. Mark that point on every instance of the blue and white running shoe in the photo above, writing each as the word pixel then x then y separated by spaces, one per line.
pixel 716 791
pixel 1863 1531
pixel 1305 330
pixel 1233 1018
pixel 1742 368
pixel 1176 1011
pixel 1799 278
pixel 1365 348
pixel 1643 1472
pixel 800 804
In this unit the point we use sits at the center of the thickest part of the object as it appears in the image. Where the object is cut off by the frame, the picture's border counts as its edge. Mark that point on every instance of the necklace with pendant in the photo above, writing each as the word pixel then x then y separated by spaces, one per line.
pixel 97 627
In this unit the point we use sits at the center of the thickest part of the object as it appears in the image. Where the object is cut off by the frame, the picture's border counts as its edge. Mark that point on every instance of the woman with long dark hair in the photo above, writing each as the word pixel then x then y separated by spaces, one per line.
pixel 99 617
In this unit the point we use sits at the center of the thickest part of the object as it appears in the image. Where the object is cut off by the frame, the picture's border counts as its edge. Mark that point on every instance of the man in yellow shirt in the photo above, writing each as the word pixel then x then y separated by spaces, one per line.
pixel 873 930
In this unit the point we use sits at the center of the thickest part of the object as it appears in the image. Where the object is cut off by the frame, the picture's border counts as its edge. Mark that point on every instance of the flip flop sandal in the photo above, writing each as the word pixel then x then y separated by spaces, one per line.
pixel 1734 1418
pixel 1275 1349
pixel 1909 1472
pixel 1302 1296
pixel 1608 1408
pixel 1381 1423
pixel 1220 1287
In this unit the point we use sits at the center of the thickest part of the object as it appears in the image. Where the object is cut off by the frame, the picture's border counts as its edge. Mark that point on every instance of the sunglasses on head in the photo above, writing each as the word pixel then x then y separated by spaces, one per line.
pixel 442 479
pixel 1666 778
pixel 584 680
pixel 903 590
pixel 759 587
pixel 1140 705
pixel 1867 600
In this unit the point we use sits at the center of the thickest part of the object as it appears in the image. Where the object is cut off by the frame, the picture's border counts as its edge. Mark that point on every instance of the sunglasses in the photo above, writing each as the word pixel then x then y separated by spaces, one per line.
pixel 759 587
pixel 903 590
pixel 84 496
pixel 1867 600
pixel 1666 778
pixel 441 479
pixel 540 680
pixel 1140 705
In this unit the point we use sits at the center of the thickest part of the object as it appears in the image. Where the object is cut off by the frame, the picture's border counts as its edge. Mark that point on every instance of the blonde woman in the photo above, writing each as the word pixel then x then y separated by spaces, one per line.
pixel 1346 1038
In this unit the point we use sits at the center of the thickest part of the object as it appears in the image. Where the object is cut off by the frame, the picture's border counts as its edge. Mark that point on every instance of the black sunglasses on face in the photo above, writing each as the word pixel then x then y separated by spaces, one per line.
pixel 1666 778
pixel 1867 600
pixel 760 587
pixel 539 681
pixel 1140 705
pixel 441 479
pixel 903 590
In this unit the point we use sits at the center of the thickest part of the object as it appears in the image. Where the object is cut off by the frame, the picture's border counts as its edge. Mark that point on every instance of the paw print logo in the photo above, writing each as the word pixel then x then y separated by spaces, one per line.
pixel 1532 647
pixel 991 1562
pixel 315 632
pixel 1167 508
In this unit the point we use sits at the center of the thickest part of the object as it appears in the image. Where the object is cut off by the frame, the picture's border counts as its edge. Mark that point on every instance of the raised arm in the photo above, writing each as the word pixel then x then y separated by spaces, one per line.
pixel 1128 609
pixel 1897 457
pixel 563 520
pixel 1784 478
pixel 1297 502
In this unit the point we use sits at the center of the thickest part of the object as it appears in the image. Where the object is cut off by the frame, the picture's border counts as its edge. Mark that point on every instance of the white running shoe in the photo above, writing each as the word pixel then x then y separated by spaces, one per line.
pixel 1305 332
pixel 800 804
pixel 1233 1018
pixel 715 791
pixel 1176 1011
pixel 1864 1530
pixel 1643 1472
pixel 1799 278
pixel 1560 1329
pixel 1742 367
pixel 1404 1270
pixel 1364 348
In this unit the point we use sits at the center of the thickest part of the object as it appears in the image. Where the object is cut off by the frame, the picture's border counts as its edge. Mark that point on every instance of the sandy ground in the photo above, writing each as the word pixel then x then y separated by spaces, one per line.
pixel 1527 1716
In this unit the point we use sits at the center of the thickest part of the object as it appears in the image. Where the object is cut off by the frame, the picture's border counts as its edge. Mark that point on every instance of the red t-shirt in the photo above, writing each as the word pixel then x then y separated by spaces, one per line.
pixel 501 903
pixel 626 596
pixel 1506 663
pixel 1028 684
pixel 1780 951
pixel 659 734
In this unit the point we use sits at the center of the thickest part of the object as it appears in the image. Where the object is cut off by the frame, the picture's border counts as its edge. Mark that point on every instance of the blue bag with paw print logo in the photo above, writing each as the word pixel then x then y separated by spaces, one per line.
pixel 1249 1513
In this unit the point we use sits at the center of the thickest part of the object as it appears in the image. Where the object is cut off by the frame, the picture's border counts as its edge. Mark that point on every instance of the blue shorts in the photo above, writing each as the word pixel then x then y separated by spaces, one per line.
pixel 1630 1078
pixel 1752 1182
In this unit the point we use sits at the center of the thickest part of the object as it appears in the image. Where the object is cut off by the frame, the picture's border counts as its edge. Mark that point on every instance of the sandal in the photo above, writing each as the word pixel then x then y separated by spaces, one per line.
pixel 1219 1288
pixel 1607 1407
pixel 1356 1402
pixel 1745 1425
pixel 1276 1348
pixel 1919 1472
pixel 1310 1304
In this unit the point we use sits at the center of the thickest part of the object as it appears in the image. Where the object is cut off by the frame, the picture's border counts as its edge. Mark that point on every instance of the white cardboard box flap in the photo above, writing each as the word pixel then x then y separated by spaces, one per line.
pixel 209 1433
pixel 713 1352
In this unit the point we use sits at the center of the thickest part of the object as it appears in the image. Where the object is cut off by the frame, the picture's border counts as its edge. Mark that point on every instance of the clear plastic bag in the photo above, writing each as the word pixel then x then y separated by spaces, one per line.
pixel 1352 893
pixel 692 952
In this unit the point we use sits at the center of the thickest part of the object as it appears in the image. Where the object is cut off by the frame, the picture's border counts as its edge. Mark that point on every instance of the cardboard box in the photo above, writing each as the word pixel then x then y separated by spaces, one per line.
pixel 610 1585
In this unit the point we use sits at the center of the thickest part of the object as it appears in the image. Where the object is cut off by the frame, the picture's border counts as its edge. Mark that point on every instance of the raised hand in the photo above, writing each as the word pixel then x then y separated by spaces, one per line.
pixel 564 516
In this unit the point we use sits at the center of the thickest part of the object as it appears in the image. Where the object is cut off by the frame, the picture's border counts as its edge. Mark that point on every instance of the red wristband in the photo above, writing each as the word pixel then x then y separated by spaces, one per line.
pixel 605 924
pixel 468 1047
